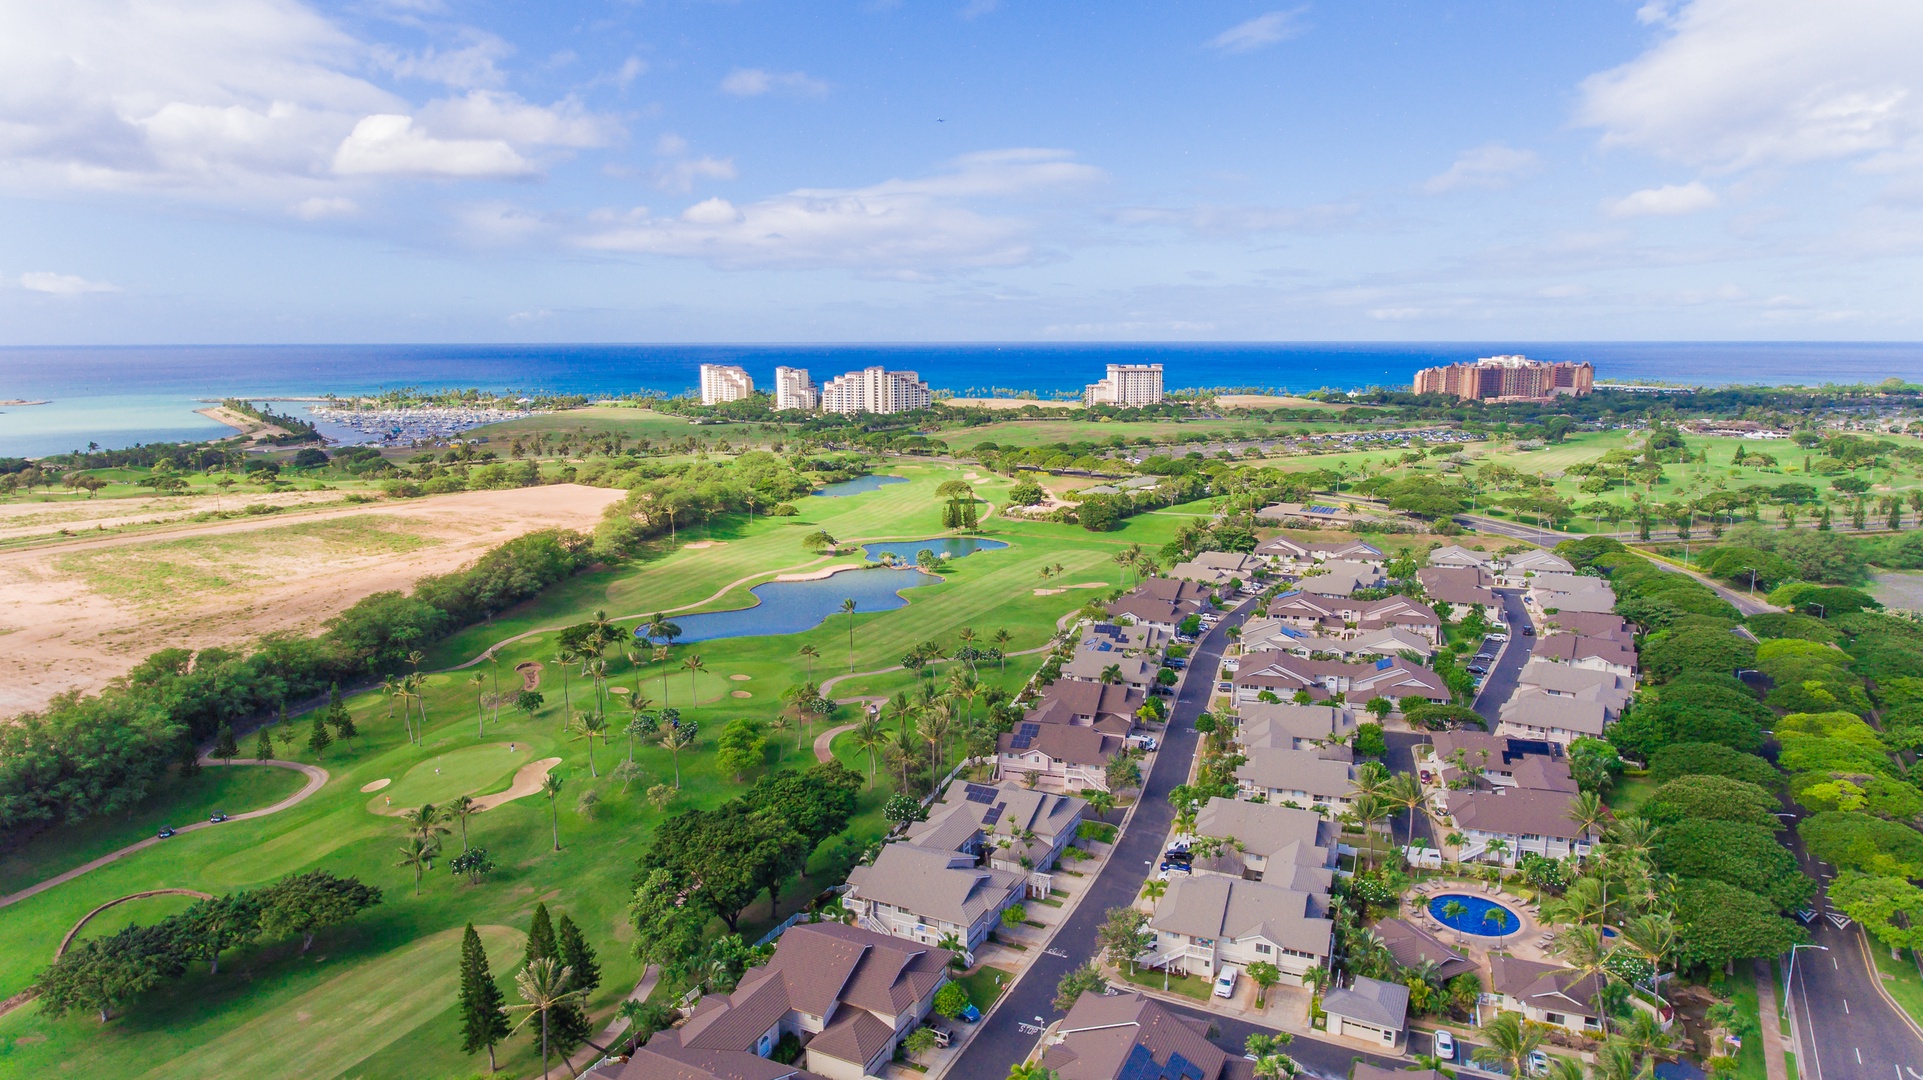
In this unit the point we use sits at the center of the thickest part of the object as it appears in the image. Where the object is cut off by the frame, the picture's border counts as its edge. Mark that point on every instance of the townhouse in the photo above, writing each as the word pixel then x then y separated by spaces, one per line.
pixel 1455 556
pixel 1595 624
pixel 1287 553
pixel 1107 707
pixel 1341 578
pixel 1372 1010
pixel 1219 568
pixel 1545 993
pixel 1477 760
pixel 1461 588
pixel 1276 636
pixel 1059 757
pixel 1129 639
pixel 1321 780
pixel 1552 593
pixel 1206 922
pixel 1314 613
pixel 1500 824
pixel 1535 715
pixel 1515 569
pixel 845 995
pixel 925 894
pixel 1128 1036
pixel 1594 653
pixel 1162 603
pixel 1278 845
pixel 1411 946
pixel 1293 727
pixel 1012 828
pixel 1283 675
pixel 1093 666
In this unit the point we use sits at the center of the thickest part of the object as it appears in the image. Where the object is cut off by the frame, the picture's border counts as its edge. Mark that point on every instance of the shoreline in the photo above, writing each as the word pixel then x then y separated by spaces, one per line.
pixel 24 402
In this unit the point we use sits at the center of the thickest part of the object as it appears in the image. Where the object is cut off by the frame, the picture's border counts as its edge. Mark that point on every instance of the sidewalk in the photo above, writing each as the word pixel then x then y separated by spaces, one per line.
pixel 1771 1023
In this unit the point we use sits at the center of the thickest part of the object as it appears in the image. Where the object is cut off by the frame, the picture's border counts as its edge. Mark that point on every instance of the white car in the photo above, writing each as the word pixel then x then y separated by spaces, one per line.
pixel 1498 637
pixel 1445 1046
pixel 1225 983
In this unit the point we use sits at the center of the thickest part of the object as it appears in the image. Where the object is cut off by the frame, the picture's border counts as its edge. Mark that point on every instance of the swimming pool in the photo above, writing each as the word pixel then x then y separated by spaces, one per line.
pixel 953 547
pixel 1477 916
pixel 860 485
pixel 789 607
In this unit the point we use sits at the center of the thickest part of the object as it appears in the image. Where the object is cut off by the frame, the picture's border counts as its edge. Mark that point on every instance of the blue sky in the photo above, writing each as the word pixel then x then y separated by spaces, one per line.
pixel 696 170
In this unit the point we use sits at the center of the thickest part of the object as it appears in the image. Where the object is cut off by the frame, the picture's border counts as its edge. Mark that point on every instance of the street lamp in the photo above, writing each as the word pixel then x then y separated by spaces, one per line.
pixel 1790 977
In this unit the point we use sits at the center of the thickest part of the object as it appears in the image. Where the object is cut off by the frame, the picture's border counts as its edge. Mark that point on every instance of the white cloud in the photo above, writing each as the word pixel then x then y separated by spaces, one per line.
pixel 670 145
pixel 247 101
pixel 1228 221
pixel 46 281
pixel 320 207
pixel 471 65
pixel 1490 167
pixel 681 176
pixel 1666 201
pixel 754 82
pixel 390 145
pixel 1260 32
pixel 1736 83
pixel 914 229
pixel 631 69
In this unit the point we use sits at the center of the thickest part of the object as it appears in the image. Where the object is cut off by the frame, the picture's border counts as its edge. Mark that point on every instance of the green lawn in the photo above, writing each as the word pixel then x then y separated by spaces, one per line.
pixel 1749 1060
pixel 339 1010
pixel 985 986
pixel 1193 986
pixel 1630 792
pixel 1900 978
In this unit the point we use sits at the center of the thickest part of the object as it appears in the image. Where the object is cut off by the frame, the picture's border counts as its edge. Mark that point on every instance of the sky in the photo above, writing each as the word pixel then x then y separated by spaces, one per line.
pixel 259 171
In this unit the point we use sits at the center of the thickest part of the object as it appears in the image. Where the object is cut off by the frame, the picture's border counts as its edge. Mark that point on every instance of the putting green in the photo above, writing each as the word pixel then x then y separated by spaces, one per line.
pixel 348 1019
pixel 472 770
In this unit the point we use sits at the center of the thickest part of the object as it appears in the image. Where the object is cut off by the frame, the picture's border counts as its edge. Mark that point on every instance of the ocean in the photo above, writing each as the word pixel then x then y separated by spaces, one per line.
pixel 120 396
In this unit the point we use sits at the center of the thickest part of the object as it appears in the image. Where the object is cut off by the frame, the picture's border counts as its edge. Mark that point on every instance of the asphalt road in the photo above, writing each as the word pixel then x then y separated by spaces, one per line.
pixel 1501 682
pixel 1845 1030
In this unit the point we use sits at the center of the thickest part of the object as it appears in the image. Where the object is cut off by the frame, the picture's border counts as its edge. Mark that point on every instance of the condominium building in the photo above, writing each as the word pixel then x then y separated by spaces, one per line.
pixel 1127 384
pixel 875 390
pixel 795 391
pixel 724 382
pixel 1507 378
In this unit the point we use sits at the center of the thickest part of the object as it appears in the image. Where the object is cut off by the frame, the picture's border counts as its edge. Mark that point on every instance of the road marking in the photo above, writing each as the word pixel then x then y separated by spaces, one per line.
pixel 1028 1029
pixel 1842 921
pixel 1912 1072
pixel 1057 953
pixel 1859 1055
pixel 1846 1006
pixel 1805 914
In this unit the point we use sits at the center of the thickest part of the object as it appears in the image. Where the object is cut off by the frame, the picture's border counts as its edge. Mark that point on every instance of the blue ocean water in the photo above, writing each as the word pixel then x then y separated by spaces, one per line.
pixel 118 396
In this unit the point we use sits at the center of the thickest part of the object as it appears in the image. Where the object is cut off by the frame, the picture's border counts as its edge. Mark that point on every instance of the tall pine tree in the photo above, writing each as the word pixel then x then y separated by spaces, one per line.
pixel 483 1023
pixel 540 938
pixel 224 746
pixel 263 745
pixel 578 955
pixel 338 716
pixel 319 740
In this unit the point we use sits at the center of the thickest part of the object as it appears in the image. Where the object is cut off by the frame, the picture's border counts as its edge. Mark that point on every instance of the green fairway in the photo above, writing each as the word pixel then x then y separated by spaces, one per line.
pixel 470 770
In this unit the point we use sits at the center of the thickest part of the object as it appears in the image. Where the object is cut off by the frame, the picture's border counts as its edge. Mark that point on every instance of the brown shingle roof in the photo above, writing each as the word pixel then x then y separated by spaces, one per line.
pixel 1100 1033
pixel 853 1036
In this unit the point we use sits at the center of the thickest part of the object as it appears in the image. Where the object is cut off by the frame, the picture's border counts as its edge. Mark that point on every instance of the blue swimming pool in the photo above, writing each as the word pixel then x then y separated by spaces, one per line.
pixel 860 485
pixel 953 547
pixel 789 607
pixel 1477 916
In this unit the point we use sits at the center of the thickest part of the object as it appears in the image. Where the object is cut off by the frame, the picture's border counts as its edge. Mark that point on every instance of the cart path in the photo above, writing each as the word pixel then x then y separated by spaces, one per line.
pixel 822 742
pixel 316 777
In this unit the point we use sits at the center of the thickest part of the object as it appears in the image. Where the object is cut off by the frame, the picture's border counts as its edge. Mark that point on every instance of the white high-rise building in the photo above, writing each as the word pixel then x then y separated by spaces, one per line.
pixel 875 390
pixel 724 382
pixel 1127 384
pixel 795 391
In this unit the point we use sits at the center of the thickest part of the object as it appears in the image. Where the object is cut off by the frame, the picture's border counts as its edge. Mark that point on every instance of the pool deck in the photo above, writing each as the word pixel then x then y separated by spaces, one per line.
pixel 1526 941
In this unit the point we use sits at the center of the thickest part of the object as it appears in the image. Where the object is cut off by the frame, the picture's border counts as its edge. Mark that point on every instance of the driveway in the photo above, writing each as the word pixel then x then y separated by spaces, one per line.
pixel 1501 683
pixel 1001 1043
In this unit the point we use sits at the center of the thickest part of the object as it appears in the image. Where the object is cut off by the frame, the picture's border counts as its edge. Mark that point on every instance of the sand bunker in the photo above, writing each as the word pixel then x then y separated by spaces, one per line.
pixel 699 544
pixel 527 781
pixel 817 575
pixel 530 673
pixel 739 693
pixel 740 678
pixel 1077 585
pixel 376 785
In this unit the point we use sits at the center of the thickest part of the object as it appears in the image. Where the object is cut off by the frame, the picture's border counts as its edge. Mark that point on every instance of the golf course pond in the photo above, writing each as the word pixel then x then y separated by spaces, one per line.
pixel 948 547
pixel 789 607
pixel 860 485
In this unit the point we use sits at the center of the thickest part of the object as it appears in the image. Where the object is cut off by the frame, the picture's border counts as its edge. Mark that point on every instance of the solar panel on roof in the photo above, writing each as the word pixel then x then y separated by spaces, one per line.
pixel 978 793
pixel 1030 729
pixel 993 815
pixel 1141 1065
pixel 1383 663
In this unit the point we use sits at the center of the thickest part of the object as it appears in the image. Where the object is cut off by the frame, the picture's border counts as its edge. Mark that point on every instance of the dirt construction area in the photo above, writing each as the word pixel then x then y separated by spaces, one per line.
pixel 77 614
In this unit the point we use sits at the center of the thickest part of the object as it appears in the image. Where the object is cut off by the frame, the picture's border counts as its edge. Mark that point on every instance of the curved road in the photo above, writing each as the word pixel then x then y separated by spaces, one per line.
pixel 316 777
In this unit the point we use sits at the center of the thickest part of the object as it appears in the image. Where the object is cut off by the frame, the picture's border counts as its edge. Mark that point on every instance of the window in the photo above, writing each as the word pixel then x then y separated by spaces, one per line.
pixel 1554 1018
pixel 1262 950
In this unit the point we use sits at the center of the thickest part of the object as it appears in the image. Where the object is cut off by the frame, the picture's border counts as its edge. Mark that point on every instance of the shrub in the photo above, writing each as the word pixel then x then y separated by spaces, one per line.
pixel 1712 759
pixel 1712 798
pixel 1852 840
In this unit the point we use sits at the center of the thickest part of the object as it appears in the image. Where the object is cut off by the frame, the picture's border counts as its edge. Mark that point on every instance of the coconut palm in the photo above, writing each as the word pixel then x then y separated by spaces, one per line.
pixel 641 721
pixel 562 658
pixel 551 787
pixel 478 680
pixel 419 854
pixel 425 822
pixel 848 609
pixel 936 723
pixel 460 810
pixel 1153 890
pixel 1584 948
pixel 966 635
pixel 543 985
pixel 1002 638
pixel 1652 937
pixel 693 665
pixel 589 727
pixel 1508 1040
pixel 964 685
pixel 1367 811
pixel 870 736
pixel 810 654
pixel 1405 790
pixel 1100 801
pixel 1453 910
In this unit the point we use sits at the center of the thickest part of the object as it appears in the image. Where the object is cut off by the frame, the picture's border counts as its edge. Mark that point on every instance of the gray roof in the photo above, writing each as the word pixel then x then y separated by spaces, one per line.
pixel 934 884
pixel 1515 812
pixel 1089 664
pixel 1372 1001
pixel 1340 578
pixel 1266 724
pixel 1063 742
pixel 1298 770
pixel 1573 647
pixel 1410 945
pixel 1534 708
pixel 1543 986
pixel 969 810
pixel 1220 907
pixel 1457 555
pixel 1262 828
pixel 1100 1034
pixel 1593 624
pixel 1537 561
pixel 1608 687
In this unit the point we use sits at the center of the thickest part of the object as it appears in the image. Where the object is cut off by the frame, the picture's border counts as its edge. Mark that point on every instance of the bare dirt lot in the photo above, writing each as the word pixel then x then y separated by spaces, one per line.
pixel 77 614
pixel 27 518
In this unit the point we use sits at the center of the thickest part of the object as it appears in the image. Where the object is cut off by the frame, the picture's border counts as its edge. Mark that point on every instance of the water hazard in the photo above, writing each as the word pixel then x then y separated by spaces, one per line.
pixel 789 607
pixel 860 485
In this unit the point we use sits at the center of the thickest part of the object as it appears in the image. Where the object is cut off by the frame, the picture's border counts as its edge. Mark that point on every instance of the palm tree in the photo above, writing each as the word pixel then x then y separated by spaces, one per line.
pixel 810 654
pixel 1100 800
pixel 693 665
pixel 392 690
pixel 641 722
pixel 1453 910
pixel 848 609
pixel 544 988
pixel 588 727
pixel 1583 948
pixel 460 810
pixel 901 746
pixel 1405 790
pixel 964 685
pixel 1616 1060
pixel 676 737
pixel 1369 809
pixel 1153 890
pixel 1031 1070
pixel 551 787
pixel 966 635
pixel 1508 1041
pixel 1001 639
pixel 870 736
pixel 425 821
pixel 936 723
pixel 1112 675
pixel 562 658
pixel 478 680
pixel 1653 937
pixel 1456 840
pixel 419 854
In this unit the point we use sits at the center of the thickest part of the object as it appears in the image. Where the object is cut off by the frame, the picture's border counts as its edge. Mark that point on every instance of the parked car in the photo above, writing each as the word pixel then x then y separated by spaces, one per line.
pixel 970 1014
pixel 218 817
pixel 1225 983
pixel 1170 868
pixel 1498 637
pixel 1445 1046
pixel 165 832
pixel 1225 688
pixel 1478 669
pixel 943 1037
pixel 1528 631
pixel 1538 1063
